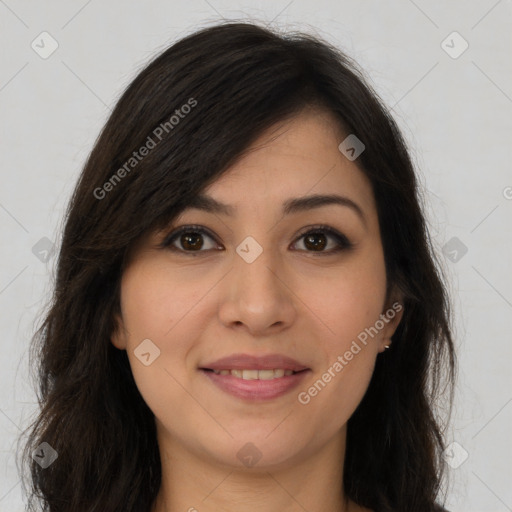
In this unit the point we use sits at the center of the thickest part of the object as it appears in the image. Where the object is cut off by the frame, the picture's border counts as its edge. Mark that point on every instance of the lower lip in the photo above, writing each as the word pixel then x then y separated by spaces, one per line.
pixel 256 389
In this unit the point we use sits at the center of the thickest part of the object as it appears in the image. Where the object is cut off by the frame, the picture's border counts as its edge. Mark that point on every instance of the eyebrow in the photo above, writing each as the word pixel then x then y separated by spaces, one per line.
pixel 294 205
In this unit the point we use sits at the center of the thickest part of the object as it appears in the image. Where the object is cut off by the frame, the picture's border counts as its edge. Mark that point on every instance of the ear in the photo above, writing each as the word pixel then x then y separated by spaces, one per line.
pixel 391 316
pixel 119 336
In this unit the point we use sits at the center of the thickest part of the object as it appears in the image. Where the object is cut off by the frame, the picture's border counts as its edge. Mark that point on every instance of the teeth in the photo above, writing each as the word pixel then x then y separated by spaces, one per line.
pixel 250 374
pixel 255 374
pixel 264 374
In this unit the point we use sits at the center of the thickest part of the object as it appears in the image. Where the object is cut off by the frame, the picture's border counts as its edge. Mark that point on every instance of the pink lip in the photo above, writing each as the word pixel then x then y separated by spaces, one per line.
pixel 255 389
pixel 248 362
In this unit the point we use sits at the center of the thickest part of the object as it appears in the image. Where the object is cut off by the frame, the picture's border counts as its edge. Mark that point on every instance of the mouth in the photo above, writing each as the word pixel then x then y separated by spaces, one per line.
pixel 251 374
pixel 255 378
pixel 254 385
pixel 247 363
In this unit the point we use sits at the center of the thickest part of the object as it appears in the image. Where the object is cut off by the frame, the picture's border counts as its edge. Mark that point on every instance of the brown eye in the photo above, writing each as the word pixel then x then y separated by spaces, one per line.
pixel 318 240
pixel 315 241
pixel 190 239
pixel 194 240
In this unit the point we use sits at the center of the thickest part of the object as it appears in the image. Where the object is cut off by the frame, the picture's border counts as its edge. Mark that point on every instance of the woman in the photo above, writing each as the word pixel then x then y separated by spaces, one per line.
pixel 247 312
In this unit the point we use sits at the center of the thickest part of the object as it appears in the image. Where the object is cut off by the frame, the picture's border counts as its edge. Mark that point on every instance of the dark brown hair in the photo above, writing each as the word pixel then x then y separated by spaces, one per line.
pixel 238 80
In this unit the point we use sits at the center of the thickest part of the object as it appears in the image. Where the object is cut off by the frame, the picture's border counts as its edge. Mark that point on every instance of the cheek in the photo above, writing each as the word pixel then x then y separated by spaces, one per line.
pixel 154 300
pixel 161 306
pixel 152 309
pixel 340 382
pixel 351 300
pixel 336 402
pixel 349 303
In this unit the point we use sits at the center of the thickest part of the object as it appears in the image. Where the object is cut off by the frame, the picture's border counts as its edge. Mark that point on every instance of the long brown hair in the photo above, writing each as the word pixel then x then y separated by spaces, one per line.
pixel 237 79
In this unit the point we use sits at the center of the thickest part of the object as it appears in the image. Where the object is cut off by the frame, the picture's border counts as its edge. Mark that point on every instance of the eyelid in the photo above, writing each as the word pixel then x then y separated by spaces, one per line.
pixel 168 239
pixel 343 242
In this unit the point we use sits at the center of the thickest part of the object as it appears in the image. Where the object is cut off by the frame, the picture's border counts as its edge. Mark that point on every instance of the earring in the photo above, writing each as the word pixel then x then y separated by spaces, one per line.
pixel 386 347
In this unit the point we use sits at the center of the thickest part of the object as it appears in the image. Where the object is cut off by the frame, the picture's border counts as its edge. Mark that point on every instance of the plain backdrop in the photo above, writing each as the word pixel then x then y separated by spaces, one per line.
pixel 444 67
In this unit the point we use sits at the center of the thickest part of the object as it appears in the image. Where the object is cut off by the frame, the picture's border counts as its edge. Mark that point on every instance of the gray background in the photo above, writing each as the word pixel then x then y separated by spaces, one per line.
pixel 454 111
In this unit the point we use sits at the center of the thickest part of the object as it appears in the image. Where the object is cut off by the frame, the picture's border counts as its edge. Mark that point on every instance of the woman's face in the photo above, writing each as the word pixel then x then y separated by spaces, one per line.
pixel 262 280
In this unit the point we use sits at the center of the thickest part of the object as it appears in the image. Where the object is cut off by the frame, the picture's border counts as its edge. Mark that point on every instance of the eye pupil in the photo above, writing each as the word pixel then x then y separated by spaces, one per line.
pixel 309 241
pixel 191 240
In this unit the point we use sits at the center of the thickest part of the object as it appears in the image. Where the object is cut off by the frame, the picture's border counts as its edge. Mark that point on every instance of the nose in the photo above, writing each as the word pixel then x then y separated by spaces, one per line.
pixel 256 296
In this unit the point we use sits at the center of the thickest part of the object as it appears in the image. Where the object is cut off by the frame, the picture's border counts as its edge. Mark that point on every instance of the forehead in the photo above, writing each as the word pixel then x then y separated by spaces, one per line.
pixel 293 158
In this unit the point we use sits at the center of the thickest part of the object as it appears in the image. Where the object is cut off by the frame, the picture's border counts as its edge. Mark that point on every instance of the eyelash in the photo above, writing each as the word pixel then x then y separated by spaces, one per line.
pixel 342 240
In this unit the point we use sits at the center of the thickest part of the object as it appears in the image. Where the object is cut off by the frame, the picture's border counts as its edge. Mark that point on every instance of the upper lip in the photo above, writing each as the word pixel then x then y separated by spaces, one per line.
pixel 249 362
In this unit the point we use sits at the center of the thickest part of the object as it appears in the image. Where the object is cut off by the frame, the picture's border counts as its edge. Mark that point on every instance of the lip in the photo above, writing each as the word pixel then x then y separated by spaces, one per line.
pixel 250 362
pixel 255 390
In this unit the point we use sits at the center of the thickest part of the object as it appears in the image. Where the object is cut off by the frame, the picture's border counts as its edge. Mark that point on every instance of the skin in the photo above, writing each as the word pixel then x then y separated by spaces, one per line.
pixel 292 300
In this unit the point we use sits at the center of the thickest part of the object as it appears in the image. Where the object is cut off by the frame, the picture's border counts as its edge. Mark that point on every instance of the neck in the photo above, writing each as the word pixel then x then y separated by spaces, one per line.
pixel 194 482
